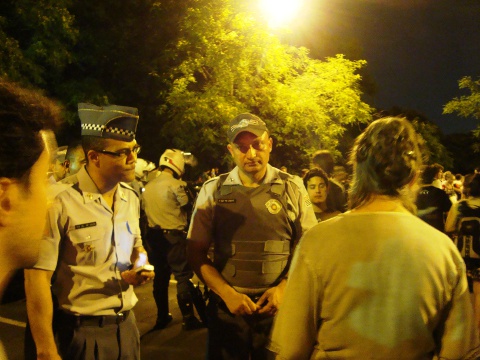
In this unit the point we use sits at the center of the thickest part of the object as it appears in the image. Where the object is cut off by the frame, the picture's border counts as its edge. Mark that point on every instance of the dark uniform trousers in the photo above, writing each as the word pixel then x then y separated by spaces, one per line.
pixel 234 336
pixel 112 337
pixel 167 251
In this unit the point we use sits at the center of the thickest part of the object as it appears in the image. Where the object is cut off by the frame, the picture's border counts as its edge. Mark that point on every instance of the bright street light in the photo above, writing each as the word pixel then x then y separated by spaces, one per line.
pixel 280 12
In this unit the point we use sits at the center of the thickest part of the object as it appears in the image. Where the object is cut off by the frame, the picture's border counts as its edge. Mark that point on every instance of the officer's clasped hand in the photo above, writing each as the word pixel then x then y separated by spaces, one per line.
pixel 240 304
pixel 138 277
pixel 270 301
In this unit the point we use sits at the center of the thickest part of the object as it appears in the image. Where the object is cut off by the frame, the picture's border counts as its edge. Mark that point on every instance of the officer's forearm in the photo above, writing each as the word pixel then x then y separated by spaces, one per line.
pixel 216 282
pixel 40 311
pixel 208 274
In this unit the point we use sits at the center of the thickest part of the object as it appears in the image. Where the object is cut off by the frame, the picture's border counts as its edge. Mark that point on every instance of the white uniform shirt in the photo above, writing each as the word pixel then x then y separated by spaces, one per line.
pixel 89 245
pixel 163 198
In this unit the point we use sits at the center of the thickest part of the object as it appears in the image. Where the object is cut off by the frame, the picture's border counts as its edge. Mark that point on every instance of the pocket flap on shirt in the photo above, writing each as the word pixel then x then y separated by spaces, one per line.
pixel 83 235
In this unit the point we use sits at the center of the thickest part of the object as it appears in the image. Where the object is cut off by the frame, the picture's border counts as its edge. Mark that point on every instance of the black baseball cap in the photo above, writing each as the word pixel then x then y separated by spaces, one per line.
pixel 246 122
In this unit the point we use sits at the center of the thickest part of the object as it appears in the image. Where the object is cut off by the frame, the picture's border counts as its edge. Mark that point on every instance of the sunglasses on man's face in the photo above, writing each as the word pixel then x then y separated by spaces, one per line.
pixel 256 145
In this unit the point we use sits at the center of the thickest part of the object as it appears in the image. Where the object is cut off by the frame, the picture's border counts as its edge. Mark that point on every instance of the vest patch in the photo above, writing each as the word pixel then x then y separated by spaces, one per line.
pixel 273 206
pixel 226 201
pixel 86 225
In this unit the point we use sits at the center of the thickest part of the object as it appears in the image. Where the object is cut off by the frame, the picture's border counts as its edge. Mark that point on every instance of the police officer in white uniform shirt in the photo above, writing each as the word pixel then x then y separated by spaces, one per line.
pixel 93 246
pixel 167 200
pixel 253 216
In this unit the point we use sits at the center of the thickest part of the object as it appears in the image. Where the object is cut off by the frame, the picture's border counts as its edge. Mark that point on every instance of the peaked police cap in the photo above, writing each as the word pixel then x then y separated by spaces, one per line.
pixel 109 122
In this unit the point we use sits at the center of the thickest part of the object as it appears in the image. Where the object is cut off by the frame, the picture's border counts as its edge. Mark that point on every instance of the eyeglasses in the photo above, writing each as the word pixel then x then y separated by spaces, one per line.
pixel 124 152
pixel 257 145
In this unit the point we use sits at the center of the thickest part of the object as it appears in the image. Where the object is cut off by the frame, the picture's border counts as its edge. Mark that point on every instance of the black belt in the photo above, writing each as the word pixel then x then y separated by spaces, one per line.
pixel 92 320
pixel 169 231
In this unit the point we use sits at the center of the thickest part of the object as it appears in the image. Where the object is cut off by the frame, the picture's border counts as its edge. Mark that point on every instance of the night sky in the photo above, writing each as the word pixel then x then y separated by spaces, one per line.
pixel 416 50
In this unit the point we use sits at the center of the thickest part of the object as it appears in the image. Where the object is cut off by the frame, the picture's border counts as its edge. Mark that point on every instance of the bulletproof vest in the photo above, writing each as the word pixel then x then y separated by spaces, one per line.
pixel 252 233
pixel 468 234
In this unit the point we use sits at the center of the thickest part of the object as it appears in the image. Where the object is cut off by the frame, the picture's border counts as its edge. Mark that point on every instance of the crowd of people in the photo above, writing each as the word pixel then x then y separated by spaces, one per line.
pixel 293 267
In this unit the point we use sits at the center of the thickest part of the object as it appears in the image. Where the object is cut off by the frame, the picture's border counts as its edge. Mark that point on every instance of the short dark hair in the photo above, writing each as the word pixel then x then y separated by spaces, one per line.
pixel 90 142
pixel 323 159
pixel 72 147
pixel 24 114
pixel 315 172
pixel 72 150
pixel 429 173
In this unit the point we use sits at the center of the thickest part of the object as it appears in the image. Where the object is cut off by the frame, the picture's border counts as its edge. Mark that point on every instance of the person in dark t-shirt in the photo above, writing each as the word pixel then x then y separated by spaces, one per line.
pixel 432 202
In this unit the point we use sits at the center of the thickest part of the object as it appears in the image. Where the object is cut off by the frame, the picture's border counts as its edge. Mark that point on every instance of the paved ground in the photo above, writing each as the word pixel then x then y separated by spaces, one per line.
pixel 171 343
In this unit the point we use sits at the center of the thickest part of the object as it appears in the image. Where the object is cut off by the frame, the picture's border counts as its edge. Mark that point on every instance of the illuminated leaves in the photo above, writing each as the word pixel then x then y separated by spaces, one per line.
pixel 466 105
pixel 231 63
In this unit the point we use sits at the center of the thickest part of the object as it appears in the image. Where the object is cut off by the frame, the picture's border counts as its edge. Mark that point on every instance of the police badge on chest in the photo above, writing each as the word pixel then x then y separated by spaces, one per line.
pixel 273 206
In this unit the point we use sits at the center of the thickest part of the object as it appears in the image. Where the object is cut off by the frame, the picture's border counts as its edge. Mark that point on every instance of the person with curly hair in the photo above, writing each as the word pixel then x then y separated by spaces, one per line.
pixel 377 282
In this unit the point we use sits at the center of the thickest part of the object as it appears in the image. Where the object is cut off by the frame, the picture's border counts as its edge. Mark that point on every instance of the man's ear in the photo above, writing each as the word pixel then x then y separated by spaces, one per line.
pixel 7 198
pixel 93 157
pixel 230 149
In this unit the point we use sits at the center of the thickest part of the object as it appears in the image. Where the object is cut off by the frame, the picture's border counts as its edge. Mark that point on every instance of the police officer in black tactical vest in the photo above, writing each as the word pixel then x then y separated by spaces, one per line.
pixel 252 216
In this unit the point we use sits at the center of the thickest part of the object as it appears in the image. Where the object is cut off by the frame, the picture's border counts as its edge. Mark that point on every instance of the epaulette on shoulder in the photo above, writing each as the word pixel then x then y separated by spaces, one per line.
pixel 221 179
pixel 285 176
pixel 126 186
pixel 69 180
pixel 54 189
pixel 295 179
pixel 211 180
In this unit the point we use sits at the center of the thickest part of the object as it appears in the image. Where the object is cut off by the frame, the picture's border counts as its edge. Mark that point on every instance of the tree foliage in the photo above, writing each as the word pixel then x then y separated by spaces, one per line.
pixel 104 52
pixel 230 64
pixel 36 40
pixel 462 147
pixel 466 105
pixel 434 149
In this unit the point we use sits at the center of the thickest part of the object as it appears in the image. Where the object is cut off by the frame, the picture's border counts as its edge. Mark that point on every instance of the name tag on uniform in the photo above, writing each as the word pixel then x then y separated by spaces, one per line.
pixel 226 201
pixel 86 225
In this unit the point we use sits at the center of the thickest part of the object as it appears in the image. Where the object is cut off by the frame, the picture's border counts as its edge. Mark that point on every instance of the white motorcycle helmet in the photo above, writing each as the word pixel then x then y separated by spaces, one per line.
pixel 173 159
pixel 142 166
